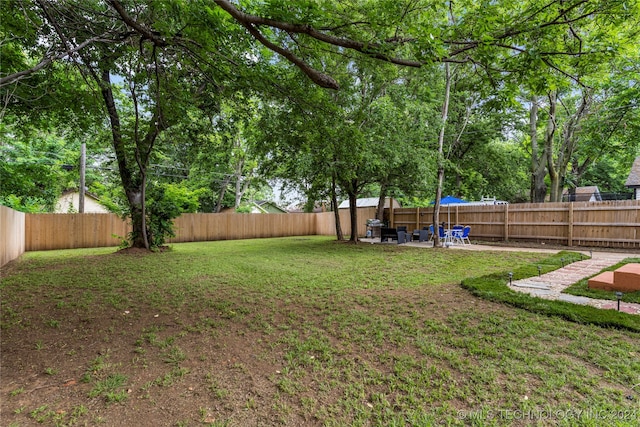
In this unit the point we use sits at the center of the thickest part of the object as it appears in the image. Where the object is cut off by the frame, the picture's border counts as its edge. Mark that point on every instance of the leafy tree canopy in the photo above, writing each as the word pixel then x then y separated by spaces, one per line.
pixel 143 66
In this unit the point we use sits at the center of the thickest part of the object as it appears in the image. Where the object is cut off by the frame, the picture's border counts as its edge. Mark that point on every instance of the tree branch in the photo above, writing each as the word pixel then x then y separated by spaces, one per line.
pixel 12 78
pixel 145 32
pixel 366 48
pixel 316 76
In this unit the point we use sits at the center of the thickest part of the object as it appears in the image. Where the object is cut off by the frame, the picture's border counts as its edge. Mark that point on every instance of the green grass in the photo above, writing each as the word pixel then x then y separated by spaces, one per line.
pixel 582 287
pixel 310 331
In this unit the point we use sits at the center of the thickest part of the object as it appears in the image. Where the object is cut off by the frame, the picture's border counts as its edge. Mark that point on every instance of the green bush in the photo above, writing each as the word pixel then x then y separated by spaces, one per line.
pixel 166 202
pixel 24 204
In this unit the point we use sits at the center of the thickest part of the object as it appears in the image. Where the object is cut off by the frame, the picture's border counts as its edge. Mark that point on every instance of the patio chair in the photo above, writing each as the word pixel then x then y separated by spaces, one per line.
pixel 461 235
pixel 441 233
pixel 388 233
pixel 465 235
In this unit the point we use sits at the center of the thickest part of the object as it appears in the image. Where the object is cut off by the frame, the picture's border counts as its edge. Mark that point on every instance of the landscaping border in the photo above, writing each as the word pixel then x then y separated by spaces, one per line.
pixel 494 287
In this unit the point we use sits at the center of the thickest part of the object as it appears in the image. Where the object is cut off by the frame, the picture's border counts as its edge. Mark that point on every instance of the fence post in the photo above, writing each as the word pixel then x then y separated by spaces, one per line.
pixel 570 231
pixel 392 220
pixel 506 222
pixel 417 218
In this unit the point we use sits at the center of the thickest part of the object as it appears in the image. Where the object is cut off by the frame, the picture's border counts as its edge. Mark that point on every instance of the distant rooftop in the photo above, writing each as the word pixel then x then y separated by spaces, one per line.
pixel 369 202
pixel 634 176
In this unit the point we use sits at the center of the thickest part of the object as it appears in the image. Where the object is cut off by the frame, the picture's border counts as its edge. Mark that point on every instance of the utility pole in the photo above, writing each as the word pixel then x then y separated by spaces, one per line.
pixel 83 167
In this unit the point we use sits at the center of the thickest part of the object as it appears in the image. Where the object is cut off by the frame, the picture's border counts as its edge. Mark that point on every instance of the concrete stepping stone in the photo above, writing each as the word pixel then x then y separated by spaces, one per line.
pixel 574 299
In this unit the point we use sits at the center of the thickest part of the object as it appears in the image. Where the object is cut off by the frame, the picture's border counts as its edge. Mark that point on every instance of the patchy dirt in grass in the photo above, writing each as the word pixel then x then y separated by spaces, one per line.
pixel 65 365
pixel 236 359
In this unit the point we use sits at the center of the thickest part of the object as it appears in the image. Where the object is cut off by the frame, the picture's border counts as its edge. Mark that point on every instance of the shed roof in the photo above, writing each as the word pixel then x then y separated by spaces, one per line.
pixel 265 206
pixel 369 202
pixel 589 189
pixel 633 180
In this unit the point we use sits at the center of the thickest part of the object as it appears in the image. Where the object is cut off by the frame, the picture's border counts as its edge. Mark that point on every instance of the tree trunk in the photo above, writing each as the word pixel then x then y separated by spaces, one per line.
pixel 240 189
pixel 568 145
pixel 381 201
pixel 143 208
pixel 132 174
pixel 223 191
pixel 132 186
pixel 353 212
pixel 549 136
pixel 538 165
pixel 336 212
pixel 440 175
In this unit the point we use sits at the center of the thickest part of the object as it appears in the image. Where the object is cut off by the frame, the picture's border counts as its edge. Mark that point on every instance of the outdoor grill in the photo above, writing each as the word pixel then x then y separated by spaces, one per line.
pixel 373 227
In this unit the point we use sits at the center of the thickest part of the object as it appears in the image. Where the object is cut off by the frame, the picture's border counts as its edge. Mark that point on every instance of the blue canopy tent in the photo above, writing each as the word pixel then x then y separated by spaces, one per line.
pixel 448 202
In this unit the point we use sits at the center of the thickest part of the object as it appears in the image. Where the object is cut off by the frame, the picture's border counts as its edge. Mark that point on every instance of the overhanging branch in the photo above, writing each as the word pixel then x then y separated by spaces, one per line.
pixel 371 49
pixel 12 78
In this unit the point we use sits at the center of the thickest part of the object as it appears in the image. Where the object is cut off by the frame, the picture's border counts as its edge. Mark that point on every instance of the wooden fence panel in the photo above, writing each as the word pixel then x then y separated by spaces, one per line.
pixel 592 225
pixel 404 217
pixel 205 227
pixel 68 231
pixel 325 224
pixel 606 224
pixel 363 215
pixel 539 221
pixel 486 222
pixel 12 234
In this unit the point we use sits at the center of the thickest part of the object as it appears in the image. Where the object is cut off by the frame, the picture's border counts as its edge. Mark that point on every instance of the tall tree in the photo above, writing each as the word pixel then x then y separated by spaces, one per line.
pixel 174 53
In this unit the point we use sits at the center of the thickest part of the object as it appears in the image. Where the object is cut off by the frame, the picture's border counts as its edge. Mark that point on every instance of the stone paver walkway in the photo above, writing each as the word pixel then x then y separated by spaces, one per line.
pixel 550 285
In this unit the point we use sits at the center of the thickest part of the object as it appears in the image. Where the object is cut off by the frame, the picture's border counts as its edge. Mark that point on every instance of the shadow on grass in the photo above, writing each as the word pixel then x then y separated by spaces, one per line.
pixel 494 287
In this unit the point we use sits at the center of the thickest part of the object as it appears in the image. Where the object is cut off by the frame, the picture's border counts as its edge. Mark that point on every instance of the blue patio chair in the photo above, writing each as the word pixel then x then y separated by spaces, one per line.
pixel 441 233
pixel 465 235
pixel 461 235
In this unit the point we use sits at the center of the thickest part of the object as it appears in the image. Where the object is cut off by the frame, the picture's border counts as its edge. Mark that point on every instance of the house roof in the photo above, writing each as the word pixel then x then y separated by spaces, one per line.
pixel 590 189
pixel 633 180
pixel 589 193
pixel 86 194
pixel 369 202
pixel 265 206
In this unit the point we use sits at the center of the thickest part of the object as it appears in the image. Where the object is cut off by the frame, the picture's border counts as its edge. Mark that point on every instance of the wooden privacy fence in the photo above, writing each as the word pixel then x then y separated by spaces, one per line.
pixel 211 226
pixel 12 231
pixel 68 231
pixel 605 224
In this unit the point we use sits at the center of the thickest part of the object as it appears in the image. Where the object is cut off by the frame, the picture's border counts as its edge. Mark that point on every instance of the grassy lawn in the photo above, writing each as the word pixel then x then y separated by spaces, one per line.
pixel 298 331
